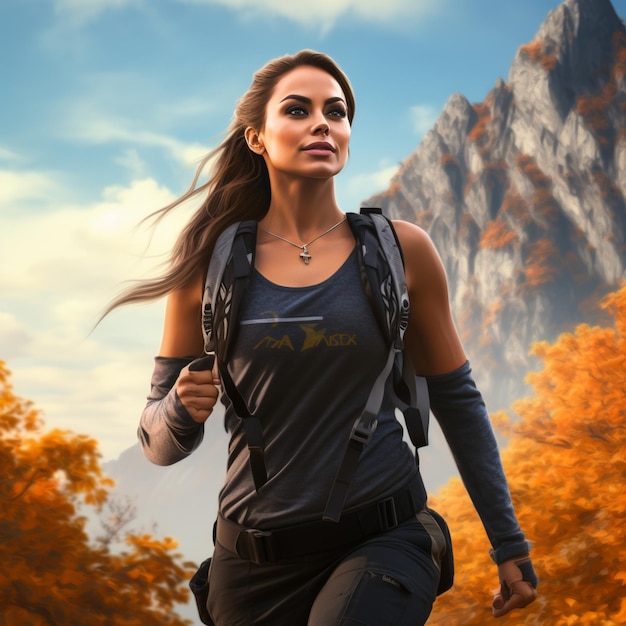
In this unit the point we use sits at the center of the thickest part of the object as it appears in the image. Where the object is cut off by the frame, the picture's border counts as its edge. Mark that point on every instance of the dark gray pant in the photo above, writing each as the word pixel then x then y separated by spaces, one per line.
pixel 390 579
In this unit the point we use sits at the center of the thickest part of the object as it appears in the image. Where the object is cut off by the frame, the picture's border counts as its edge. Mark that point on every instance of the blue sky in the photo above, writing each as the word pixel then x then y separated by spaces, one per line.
pixel 106 104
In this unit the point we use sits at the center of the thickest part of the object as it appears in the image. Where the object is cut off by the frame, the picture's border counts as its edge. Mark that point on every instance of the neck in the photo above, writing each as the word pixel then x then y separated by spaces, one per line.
pixel 302 211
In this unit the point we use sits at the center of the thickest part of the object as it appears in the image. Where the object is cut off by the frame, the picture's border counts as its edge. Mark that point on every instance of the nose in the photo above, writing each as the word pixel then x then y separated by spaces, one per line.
pixel 321 126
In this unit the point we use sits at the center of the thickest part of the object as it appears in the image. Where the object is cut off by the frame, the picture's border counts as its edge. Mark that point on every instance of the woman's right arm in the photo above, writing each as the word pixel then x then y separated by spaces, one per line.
pixel 172 424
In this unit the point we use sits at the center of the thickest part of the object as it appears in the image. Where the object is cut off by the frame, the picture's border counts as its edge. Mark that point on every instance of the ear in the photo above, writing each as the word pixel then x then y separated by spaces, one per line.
pixel 254 140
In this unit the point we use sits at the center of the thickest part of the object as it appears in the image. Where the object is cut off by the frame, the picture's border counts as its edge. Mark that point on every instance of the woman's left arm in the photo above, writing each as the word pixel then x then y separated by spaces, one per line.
pixel 434 347
pixel 431 338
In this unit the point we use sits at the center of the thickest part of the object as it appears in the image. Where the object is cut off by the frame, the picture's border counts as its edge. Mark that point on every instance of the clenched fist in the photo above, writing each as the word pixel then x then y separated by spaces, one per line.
pixel 197 388
pixel 518 586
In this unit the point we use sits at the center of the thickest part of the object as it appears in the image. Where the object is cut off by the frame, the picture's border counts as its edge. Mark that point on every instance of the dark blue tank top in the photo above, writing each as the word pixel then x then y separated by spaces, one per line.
pixel 305 359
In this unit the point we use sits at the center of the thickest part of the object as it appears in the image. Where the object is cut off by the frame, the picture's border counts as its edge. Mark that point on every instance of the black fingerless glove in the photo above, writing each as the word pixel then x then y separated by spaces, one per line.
pixel 528 571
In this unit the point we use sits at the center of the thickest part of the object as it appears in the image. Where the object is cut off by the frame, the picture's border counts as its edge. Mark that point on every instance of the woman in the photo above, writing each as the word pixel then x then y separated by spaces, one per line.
pixel 289 138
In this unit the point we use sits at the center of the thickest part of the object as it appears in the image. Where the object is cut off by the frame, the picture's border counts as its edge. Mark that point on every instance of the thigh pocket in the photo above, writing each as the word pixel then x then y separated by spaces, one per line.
pixel 381 596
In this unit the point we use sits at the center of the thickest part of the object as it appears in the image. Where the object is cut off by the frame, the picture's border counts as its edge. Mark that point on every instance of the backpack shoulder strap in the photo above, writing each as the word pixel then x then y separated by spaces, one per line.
pixel 220 256
pixel 411 391
pixel 385 283
pixel 226 280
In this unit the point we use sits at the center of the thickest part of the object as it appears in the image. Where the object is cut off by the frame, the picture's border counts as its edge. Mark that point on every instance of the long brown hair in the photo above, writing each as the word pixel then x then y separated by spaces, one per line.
pixel 238 187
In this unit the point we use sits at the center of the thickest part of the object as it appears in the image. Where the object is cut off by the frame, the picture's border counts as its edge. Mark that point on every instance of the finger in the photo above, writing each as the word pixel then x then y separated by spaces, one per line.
pixel 203 363
pixel 498 600
pixel 199 400
pixel 522 594
pixel 200 407
pixel 198 396
pixel 200 415
pixel 198 376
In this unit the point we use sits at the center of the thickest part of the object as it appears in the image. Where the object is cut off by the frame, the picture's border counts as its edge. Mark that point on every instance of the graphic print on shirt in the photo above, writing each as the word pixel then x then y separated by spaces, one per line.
pixel 299 334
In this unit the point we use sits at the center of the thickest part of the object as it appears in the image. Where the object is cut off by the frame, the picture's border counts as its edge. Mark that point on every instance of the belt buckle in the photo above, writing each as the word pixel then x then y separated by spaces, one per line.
pixel 387 515
pixel 255 545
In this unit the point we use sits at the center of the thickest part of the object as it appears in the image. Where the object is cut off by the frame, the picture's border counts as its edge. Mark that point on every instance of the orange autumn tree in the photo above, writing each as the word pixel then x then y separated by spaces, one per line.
pixel 50 572
pixel 566 464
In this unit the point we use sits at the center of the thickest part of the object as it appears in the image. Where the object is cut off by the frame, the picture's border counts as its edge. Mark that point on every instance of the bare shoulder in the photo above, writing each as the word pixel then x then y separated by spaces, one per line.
pixel 418 250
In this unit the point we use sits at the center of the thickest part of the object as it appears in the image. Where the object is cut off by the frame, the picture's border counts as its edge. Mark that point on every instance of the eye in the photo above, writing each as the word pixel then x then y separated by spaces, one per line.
pixel 296 110
pixel 338 112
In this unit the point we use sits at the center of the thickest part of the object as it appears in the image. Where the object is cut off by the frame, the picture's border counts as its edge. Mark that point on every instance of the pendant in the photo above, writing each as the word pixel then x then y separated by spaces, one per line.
pixel 305 256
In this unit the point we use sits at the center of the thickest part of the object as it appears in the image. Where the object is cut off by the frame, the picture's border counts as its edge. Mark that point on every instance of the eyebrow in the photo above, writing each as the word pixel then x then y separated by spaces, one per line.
pixel 306 100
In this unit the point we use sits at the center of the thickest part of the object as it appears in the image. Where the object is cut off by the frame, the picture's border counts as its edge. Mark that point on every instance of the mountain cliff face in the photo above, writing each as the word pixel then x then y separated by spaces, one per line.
pixel 523 194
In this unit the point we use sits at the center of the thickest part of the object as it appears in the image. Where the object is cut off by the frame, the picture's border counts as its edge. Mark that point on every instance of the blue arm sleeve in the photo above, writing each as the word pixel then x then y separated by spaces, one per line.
pixel 459 408
pixel 167 432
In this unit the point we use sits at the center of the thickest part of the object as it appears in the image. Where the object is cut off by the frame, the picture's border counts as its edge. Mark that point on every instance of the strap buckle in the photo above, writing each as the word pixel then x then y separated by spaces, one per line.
pixel 362 433
pixel 387 514
pixel 255 545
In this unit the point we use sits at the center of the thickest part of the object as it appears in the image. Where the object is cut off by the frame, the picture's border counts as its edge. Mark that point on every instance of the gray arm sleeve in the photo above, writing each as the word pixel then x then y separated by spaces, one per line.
pixel 167 432
pixel 459 408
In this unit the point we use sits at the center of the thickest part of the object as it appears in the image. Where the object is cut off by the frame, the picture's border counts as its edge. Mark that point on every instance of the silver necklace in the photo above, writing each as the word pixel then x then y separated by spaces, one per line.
pixel 305 255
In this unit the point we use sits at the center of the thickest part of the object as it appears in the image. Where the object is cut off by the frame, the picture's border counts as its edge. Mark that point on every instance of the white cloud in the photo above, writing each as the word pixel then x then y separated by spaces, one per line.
pixel 100 116
pixel 58 269
pixel 82 11
pixel 319 14
pixel 325 13
pixel 132 163
pixel 99 129
pixel 70 245
pixel 15 340
pixel 423 118
pixel 16 186
pixel 8 155
pixel 367 184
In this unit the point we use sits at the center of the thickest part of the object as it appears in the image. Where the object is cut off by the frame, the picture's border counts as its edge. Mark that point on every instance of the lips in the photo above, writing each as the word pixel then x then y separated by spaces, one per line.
pixel 319 146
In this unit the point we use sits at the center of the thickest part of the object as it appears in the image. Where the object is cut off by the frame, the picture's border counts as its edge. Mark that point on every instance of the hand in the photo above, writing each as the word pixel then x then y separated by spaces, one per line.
pixel 518 586
pixel 197 388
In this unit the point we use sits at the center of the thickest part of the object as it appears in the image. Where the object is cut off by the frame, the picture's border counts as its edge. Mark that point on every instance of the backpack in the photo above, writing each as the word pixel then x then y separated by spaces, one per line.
pixel 382 273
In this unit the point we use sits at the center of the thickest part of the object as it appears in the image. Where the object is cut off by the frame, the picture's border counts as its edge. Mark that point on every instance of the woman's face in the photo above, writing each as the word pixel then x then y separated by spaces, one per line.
pixel 306 132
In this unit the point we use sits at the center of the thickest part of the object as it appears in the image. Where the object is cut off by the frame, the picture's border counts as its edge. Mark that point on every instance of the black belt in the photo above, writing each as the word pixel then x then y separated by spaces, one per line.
pixel 260 546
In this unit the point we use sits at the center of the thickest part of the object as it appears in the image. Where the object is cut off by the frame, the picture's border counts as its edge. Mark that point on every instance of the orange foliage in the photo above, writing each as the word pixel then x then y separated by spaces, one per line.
pixel 548 62
pixel 539 268
pixel 51 574
pixel 545 207
pixel 566 465
pixel 479 134
pixel 527 165
pixel 496 235
pixel 515 206
pixel 537 52
pixel 394 187
pixel 609 191
pixel 532 51
pixel 448 159
pixel 595 109
pixel 495 173
pixel 619 48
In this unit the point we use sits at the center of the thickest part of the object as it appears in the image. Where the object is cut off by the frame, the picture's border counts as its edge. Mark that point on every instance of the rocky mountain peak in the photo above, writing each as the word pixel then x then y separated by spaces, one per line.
pixel 523 193
pixel 571 55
